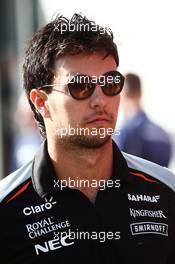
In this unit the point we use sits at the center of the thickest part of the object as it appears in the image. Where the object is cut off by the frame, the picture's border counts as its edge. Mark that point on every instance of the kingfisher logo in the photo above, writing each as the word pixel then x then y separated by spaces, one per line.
pixel 143 198
pixel 39 208
pixel 146 213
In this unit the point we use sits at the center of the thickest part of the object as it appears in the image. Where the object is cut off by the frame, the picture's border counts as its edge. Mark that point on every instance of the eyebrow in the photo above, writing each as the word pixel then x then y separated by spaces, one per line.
pixel 81 73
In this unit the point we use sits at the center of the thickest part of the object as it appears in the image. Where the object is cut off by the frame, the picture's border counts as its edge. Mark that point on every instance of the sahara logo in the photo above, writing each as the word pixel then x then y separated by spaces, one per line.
pixel 143 198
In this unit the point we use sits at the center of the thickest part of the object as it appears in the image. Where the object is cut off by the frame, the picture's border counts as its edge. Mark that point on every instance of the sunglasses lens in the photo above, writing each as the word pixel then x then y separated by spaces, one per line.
pixel 113 83
pixel 80 87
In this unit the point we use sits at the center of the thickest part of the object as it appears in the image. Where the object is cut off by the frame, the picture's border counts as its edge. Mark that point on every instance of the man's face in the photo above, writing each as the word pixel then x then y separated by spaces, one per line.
pixel 82 122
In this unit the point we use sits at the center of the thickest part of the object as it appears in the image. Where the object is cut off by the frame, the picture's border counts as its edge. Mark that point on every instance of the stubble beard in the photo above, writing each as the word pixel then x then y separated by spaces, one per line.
pixel 83 141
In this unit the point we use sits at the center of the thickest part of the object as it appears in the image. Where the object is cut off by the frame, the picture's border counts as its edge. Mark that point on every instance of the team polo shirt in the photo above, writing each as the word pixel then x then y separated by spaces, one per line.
pixel 131 221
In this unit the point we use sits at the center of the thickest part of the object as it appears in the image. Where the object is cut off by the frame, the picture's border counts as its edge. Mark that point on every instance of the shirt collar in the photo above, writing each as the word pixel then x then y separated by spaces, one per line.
pixel 120 167
pixel 44 176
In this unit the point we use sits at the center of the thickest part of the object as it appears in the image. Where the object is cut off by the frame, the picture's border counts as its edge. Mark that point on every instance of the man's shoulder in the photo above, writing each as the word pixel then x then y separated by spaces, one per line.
pixel 135 122
pixel 156 171
pixel 15 179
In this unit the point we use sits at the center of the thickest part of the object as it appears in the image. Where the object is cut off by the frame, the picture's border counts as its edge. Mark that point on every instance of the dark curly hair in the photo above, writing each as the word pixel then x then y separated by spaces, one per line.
pixel 56 39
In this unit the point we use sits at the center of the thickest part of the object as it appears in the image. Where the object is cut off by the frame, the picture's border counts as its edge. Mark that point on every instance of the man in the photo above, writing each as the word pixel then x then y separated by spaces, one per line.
pixel 139 135
pixel 81 200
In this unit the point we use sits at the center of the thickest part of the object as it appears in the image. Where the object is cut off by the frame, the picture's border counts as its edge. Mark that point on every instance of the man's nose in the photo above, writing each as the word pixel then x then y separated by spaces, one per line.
pixel 98 98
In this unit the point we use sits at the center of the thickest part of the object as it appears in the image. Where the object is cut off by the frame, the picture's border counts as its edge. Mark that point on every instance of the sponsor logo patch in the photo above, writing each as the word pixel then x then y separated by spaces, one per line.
pixel 45 226
pixel 53 244
pixel 35 209
pixel 143 198
pixel 146 213
pixel 149 228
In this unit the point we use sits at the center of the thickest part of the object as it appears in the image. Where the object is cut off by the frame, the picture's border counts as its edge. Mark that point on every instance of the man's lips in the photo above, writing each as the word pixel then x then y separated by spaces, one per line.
pixel 99 120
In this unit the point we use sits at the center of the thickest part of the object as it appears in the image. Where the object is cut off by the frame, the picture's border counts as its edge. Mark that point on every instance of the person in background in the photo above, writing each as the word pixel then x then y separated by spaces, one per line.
pixel 27 140
pixel 139 135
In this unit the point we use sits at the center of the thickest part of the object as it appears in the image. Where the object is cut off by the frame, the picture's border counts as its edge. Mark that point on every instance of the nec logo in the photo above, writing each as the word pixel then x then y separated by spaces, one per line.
pixel 52 245
pixel 39 208
pixel 143 198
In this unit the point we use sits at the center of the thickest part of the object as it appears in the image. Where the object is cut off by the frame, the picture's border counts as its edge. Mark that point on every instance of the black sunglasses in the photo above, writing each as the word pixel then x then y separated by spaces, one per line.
pixel 82 86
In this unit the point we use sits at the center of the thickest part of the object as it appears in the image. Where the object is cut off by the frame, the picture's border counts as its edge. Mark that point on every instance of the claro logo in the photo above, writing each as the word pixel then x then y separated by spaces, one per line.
pixel 39 208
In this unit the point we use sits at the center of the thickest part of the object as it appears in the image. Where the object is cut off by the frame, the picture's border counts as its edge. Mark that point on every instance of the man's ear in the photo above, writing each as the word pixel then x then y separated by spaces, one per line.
pixel 39 99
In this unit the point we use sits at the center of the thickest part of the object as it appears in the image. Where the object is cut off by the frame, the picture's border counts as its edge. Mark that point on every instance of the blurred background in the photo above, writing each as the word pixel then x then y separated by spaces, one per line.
pixel 144 33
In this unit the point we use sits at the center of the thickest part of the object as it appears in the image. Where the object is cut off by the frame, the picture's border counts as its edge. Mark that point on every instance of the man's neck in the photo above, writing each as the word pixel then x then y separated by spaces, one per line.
pixel 82 164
